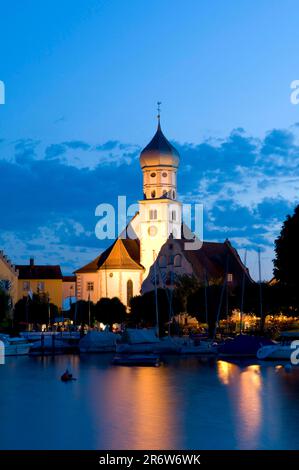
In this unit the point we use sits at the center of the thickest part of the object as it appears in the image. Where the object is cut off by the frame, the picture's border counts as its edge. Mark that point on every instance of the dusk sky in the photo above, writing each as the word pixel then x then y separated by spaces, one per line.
pixel 82 80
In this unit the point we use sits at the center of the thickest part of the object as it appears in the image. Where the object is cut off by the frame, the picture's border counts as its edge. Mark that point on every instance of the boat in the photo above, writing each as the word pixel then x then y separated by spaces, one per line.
pixel 67 376
pixel 53 345
pixel 281 350
pixel 204 347
pixel 136 360
pixel 145 341
pixel 15 346
pixel 98 342
pixel 242 346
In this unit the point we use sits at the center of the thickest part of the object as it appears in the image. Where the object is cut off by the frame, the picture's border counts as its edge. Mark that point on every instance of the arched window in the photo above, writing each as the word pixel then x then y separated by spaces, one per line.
pixel 178 261
pixel 162 261
pixel 129 291
pixel 153 194
pixel 173 194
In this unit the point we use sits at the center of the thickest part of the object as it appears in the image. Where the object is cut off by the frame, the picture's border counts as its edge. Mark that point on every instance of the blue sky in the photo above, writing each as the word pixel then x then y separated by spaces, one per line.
pixel 82 80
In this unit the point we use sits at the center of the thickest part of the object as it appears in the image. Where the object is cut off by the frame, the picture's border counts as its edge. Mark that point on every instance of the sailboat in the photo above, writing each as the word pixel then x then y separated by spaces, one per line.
pixel 244 345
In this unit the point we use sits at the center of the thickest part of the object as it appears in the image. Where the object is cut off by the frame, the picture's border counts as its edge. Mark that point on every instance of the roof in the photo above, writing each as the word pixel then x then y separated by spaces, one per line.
pixel 39 271
pixel 122 254
pixel 159 151
pixel 68 278
pixel 214 258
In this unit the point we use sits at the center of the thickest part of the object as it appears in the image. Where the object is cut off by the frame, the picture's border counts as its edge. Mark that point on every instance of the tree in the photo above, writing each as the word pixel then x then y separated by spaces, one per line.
pixel 109 311
pixel 35 310
pixel 5 302
pixel 82 312
pixel 286 262
pixel 143 308
pixel 185 285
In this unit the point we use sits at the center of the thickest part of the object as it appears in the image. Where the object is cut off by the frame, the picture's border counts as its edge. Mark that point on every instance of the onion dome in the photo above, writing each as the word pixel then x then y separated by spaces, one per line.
pixel 159 152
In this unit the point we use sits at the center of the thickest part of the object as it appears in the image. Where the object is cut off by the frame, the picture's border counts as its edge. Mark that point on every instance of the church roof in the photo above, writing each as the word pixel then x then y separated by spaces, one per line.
pixel 122 254
pixel 213 258
pixel 159 152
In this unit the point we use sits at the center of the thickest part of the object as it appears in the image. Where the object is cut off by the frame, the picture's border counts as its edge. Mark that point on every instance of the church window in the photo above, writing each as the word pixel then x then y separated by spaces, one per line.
pixel 110 274
pixel 153 194
pixel 173 194
pixel 162 261
pixel 178 261
pixel 173 215
pixel 89 286
pixel 164 174
pixel 153 175
pixel 129 291
pixel 153 214
pixel 170 259
pixel 229 277
pixel 164 192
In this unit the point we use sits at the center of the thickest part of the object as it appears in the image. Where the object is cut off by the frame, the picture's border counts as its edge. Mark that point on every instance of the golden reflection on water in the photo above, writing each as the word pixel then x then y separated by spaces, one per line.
pixel 140 405
pixel 244 389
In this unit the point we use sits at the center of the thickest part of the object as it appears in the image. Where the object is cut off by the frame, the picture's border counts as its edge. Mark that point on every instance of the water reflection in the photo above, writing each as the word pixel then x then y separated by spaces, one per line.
pixel 140 409
pixel 186 404
pixel 245 386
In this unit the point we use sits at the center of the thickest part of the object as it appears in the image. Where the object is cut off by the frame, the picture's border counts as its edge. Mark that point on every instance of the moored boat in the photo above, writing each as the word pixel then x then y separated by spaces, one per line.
pixel 136 360
pixel 242 346
pixel 15 346
pixel 281 350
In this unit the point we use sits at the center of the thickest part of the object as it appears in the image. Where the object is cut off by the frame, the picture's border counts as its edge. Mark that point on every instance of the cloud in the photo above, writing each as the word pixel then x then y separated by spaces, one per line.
pixel 77 144
pixel 247 186
pixel 54 151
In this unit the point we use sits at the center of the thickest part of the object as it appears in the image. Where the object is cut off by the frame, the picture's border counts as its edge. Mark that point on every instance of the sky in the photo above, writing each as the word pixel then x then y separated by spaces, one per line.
pixel 81 84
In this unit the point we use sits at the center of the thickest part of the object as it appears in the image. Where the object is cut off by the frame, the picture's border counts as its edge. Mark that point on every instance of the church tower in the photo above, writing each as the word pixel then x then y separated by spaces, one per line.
pixel 160 212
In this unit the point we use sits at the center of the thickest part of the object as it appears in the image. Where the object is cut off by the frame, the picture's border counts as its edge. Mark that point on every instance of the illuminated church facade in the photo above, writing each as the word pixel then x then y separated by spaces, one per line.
pixel 152 250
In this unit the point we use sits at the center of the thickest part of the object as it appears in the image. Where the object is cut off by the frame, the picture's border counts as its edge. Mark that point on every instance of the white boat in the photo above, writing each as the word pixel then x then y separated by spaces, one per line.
pixel 15 346
pixel 281 350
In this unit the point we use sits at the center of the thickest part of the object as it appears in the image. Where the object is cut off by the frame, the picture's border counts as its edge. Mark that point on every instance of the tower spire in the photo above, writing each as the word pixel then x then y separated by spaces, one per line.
pixel 159 113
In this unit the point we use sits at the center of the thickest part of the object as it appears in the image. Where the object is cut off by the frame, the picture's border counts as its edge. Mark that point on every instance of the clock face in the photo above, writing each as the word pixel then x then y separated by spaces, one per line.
pixel 152 231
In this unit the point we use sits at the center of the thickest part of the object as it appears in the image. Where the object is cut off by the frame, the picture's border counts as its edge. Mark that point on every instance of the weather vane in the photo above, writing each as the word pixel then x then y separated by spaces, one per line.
pixel 158 109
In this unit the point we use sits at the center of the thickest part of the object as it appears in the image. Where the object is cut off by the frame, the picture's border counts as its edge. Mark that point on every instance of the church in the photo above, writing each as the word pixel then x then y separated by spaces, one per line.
pixel 151 251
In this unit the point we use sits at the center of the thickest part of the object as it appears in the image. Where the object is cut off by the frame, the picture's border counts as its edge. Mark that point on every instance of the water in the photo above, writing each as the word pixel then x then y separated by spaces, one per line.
pixel 185 404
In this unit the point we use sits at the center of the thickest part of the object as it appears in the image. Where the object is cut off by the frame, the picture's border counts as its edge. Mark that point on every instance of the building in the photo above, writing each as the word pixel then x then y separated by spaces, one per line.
pixel 210 264
pixel 68 291
pixel 45 279
pixel 9 277
pixel 152 246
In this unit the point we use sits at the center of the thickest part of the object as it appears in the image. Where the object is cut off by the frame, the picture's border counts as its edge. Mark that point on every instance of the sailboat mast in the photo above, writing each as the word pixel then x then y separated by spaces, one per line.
pixel 206 296
pixel 260 289
pixel 242 293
